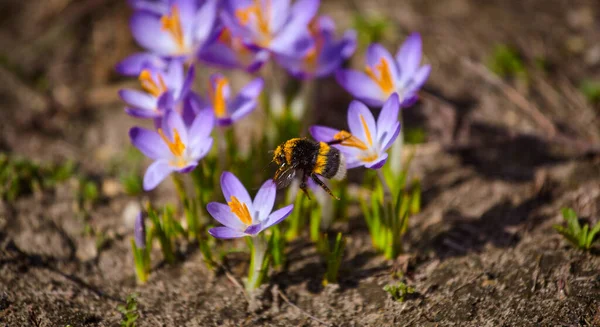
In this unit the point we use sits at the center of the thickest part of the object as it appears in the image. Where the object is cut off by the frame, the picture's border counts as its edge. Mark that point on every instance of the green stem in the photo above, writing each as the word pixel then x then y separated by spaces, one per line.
pixel 256 271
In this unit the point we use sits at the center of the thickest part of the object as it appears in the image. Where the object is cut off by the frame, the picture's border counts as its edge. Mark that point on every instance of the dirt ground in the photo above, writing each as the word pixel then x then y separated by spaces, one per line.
pixel 501 159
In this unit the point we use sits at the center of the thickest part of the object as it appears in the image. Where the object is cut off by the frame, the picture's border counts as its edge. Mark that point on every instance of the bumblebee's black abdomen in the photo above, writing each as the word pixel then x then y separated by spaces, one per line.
pixel 332 163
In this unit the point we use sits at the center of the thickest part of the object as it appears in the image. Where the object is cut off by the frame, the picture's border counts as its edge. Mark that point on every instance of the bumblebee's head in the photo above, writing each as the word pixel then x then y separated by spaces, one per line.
pixel 278 155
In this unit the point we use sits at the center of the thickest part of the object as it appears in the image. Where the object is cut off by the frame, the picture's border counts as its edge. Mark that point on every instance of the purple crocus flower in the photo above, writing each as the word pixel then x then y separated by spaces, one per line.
pixel 164 89
pixel 241 216
pixel 228 51
pixel 327 53
pixel 273 25
pixel 368 141
pixel 139 231
pixel 228 110
pixel 385 75
pixel 173 28
pixel 174 147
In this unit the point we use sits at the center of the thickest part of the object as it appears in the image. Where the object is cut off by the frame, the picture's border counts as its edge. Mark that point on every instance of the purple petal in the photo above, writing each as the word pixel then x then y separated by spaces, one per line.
pixel 348 43
pixel 292 42
pixel 225 233
pixel 419 79
pixel 361 86
pixel 378 163
pixel 277 216
pixel 149 143
pixel 205 20
pixel 138 99
pixel 187 13
pixel 174 75
pixel 201 127
pixel 302 13
pixel 388 116
pixel 322 133
pixel 172 121
pixel 201 149
pixel 148 33
pixel 409 57
pixel 241 107
pixel 191 165
pixel 409 101
pixel 232 186
pixel 252 90
pixel 326 24
pixel 187 82
pixel 279 13
pixel 361 123
pixel 142 113
pixel 376 53
pixel 335 53
pixel 254 229
pixel 157 7
pixel 222 213
pixel 133 65
pixel 221 55
pixel 388 138
pixel 264 200
pixel 156 173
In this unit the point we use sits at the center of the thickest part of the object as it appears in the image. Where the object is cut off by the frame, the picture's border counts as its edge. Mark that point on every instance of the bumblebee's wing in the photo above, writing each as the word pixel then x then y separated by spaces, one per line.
pixel 284 177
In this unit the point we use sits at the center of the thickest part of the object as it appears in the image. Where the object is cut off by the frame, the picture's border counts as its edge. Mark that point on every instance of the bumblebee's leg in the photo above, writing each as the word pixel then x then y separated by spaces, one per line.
pixel 320 182
pixel 303 185
pixel 334 142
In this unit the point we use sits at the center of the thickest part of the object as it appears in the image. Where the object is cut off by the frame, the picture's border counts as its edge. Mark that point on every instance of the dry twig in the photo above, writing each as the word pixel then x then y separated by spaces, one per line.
pixel 302 311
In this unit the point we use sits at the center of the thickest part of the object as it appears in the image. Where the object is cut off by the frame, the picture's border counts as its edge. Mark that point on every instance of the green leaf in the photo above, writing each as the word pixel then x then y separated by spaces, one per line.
pixel 592 235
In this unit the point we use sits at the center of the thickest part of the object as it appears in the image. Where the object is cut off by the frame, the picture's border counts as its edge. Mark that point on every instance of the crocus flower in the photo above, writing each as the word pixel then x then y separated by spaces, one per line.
pixel 173 28
pixel 139 231
pixel 174 147
pixel 228 51
pixel 163 89
pixel 367 142
pixel 228 110
pixel 241 216
pixel 327 53
pixel 385 75
pixel 273 25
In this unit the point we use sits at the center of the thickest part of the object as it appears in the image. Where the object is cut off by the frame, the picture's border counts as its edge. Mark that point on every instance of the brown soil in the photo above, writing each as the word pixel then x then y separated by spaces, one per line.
pixel 482 252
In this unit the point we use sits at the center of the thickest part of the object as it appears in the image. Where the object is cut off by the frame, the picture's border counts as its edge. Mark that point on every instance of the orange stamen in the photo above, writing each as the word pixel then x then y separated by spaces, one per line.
pixel 218 97
pixel 369 158
pixel 261 15
pixel 172 24
pixel 177 147
pixel 366 129
pixel 384 80
pixel 350 140
pixel 149 85
pixel 240 210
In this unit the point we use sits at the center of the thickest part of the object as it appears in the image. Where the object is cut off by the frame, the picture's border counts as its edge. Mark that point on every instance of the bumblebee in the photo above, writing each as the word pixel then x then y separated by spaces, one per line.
pixel 310 158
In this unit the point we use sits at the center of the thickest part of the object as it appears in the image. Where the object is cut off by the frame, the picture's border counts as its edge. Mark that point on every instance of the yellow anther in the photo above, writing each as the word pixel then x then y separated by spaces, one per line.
pixel 172 24
pixel 261 16
pixel 369 158
pixel 218 97
pixel 149 85
pixel 240 210
pixel 366 129
pixel 384 80
pixel 177 147
pixel 350 140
